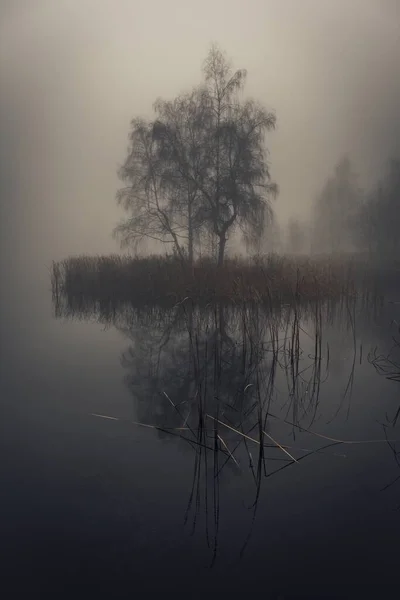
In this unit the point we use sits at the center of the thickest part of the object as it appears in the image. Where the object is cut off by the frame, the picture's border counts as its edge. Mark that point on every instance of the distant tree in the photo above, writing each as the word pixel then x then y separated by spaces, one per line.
pixel 296 236
pixel 378 224
pixel 390 201
pixel 200 167
pixel 336 209
pixel 367 227
pixel 274 237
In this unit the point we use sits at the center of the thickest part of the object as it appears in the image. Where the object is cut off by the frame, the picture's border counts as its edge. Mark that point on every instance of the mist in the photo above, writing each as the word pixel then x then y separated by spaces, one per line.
pixel 74 74
pixel 102 352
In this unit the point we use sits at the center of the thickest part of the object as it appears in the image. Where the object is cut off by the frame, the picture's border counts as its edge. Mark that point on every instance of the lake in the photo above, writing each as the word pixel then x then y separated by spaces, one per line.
pixel 222 451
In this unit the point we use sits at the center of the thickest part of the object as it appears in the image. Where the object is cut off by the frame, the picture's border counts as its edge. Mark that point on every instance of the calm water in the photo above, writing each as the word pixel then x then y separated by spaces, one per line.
pixel 92 504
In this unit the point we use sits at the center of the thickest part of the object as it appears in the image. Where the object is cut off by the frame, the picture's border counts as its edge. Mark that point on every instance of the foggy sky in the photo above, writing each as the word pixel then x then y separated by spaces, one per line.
pixel 74 72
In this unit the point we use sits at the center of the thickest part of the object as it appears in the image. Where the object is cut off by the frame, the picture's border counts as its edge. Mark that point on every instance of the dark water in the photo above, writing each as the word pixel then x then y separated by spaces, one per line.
pixel 94 506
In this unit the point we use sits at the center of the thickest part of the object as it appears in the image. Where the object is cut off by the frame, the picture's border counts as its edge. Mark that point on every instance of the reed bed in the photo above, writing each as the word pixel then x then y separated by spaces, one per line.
pixel 165 280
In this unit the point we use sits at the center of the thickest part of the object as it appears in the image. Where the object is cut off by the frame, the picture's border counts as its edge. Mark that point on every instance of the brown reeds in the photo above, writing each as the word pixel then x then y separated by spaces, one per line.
pixel 165 280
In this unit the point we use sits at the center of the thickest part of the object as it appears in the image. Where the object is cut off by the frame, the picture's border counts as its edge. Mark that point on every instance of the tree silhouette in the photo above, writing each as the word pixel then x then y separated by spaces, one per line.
pixel 199 167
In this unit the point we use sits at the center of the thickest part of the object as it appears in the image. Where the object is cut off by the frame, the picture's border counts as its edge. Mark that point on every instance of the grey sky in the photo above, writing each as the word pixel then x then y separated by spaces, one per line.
pixel 74 72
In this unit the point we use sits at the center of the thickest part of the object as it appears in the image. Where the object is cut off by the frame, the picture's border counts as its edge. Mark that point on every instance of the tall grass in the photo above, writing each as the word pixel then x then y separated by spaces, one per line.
pixel 165 280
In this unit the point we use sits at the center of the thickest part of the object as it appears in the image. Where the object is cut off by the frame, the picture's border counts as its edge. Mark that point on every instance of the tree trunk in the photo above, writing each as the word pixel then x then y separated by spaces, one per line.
pixel 190 234
pixel 221 250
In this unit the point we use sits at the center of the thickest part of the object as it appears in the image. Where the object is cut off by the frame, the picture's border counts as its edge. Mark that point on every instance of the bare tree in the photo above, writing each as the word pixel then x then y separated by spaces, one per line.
pixel 152 215
pixel 237 187
pixel 180 130
pixel 200 167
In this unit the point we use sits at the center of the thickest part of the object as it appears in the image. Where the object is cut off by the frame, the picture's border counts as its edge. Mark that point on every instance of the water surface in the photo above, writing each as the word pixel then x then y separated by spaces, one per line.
pixel 194 503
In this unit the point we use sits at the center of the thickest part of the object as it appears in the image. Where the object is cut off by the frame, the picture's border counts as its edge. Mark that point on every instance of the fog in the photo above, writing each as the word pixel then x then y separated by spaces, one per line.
pixel 74 73
pixel 91 500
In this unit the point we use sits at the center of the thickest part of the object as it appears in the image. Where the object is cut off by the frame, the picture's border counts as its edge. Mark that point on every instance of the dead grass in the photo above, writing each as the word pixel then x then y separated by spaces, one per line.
pixel 164 280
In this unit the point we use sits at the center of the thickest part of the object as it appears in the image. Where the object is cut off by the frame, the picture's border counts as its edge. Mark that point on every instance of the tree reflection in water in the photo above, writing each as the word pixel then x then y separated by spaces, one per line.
pixel 231 382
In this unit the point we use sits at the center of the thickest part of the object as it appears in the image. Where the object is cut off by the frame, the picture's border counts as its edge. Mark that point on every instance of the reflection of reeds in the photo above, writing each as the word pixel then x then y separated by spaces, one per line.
pixel 210 373
pixel 388 365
